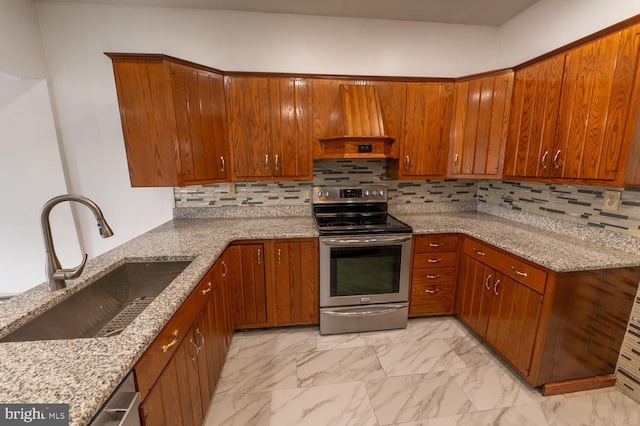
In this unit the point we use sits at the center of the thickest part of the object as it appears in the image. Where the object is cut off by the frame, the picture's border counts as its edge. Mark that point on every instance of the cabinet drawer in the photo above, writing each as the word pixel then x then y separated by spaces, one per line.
pixel 512 266
pixel 155 358
pixel 431 299
pixel 430 276
pixel 435 260
pixel 436 243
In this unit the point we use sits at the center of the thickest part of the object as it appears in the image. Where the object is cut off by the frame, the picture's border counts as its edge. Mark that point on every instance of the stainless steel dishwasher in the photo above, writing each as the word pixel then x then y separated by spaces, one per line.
pixel 121 409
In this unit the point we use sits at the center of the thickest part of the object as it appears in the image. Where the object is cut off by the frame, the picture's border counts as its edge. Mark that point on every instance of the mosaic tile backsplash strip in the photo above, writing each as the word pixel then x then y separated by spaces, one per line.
pixel 577 204
pixel 326 173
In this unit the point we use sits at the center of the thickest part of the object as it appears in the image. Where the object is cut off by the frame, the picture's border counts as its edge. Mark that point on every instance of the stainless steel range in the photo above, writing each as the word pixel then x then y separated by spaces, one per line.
pixel 364 260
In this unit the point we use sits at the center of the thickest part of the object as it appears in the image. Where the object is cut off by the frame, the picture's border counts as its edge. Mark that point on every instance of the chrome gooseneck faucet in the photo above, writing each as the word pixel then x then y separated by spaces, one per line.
pixel 56 275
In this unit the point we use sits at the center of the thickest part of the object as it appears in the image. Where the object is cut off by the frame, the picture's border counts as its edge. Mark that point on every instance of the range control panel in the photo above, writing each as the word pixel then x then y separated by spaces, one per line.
pixel 343 194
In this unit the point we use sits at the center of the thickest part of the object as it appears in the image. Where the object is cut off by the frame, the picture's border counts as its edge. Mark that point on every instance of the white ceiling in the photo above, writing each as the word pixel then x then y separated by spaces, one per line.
pixel 470 12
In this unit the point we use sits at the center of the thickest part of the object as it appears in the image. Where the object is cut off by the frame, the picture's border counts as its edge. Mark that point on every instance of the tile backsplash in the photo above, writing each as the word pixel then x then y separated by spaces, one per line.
pixel 326 173
pixel 578 204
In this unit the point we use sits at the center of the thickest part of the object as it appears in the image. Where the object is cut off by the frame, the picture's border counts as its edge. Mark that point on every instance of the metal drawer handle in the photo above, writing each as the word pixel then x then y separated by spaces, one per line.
pixel 259 258
pixel 432 291
pixel 436 244
pixel 277 167
pixel 486 282
pixel 433 277
pixel 225 270
pixel 522 274
pixel 406 163
pixel 266 161
pixel 207 290
pixel 478 252
pixel 222 164
pixel 193 358
pixel 495 288
pixel 279 256
pixel 434 260
pixel 555 160
pixel 363 313
pixel 543 161
pixel 455 160
pixel 166 347
pixel 202 337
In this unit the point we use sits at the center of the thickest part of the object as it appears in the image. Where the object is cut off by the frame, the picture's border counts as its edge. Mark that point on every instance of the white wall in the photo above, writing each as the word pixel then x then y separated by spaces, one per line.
pixel 20 41
pixel 550 24
pixel 32 173
pixel 76 35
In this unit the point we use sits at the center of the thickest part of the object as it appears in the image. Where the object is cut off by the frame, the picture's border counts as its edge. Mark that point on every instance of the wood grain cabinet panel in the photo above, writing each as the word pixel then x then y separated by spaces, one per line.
pixel 479 131
pixel 426 131
pixel 173 120
pixel 269 127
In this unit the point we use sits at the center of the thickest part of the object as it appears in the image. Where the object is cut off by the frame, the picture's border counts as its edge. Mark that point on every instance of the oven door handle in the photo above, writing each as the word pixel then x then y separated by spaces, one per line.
pixel 359 313
pixel 366 241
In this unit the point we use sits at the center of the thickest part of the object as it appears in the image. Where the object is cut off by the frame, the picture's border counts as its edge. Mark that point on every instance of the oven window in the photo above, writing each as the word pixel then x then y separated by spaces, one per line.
pixel 365 270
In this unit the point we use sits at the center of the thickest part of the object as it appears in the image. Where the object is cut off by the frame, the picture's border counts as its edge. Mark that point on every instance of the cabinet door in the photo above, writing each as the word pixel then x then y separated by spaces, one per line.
pixel 596 96
pixel 204 331
pixel 513 321
pixel 473 294
pixel 290 155
pixel 199 103
pixel 428 114
pixel 251 291
pixel 230 265
pixel 175 398
pixel 534 114
pixel 482 108
pixel 296 282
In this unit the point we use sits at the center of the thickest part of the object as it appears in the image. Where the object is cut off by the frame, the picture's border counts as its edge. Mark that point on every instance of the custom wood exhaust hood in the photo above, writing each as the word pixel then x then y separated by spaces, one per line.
pixel 356 127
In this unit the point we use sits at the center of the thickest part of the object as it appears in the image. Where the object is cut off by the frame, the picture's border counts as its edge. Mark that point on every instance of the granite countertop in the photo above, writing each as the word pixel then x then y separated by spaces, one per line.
pixel 83 372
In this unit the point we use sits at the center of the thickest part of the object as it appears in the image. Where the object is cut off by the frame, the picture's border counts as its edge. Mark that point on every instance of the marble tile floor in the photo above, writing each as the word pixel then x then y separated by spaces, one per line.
pixel 433 373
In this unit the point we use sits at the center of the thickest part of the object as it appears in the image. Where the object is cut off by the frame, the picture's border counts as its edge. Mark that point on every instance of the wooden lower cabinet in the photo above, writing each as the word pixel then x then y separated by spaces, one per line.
pixel 550 327
pixel 433 275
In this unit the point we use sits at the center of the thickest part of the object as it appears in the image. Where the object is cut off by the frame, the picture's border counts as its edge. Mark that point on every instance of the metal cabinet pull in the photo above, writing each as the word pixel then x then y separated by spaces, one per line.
pixel 455 160
pixel 478 252
pixel 406 163
pixel 266 161
pixel 436 244
pixel 225 269
pixel 259 258
pixel 433 277
pixel 432 291
pixel 202 337
pixel 207 290
pixel 522 274
pixel 434 260
pixel 495 288
pixel 279 256
pixel 555 160
pixel 543 161
pixel 166 347
pixel 486 282
pixel 222 164
pixel 277 166
pixel 193 358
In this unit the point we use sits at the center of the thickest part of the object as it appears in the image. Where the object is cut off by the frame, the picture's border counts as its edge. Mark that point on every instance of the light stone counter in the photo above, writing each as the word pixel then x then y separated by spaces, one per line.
pixel 83 372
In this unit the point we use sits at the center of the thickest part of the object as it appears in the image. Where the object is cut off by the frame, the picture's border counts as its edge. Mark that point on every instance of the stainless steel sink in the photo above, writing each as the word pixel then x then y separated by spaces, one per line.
pixel 103 308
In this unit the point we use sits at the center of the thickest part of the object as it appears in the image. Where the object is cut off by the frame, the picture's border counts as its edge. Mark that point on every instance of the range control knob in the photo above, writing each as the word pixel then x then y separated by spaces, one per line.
pixel 326 194
pixel 374 193
pixel 320 194
pixel 366 193
pixel 381 193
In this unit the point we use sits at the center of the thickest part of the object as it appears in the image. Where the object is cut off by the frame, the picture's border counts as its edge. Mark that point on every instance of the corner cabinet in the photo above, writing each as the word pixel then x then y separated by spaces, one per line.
pixel 426 130
pixel 479 132
pixel 573 116
pixel 553 328
pixel 173 120
pixel 269 127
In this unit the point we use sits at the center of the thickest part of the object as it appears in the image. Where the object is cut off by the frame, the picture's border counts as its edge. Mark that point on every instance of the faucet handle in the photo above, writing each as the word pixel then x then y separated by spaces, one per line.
pixel 69 274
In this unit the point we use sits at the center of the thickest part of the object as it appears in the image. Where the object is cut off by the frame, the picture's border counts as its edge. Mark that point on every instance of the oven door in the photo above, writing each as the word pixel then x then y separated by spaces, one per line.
pixel 364 269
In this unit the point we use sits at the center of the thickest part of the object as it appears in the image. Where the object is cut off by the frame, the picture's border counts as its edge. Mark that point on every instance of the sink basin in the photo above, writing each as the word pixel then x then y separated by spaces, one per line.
pixel 103 308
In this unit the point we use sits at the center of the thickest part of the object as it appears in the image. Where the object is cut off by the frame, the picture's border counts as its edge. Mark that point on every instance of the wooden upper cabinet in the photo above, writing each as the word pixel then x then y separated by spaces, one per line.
pixel 425 134
pixel 480 126
pixel 173 120
pixel 534 113
pixel 596 99
pixel 268 121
